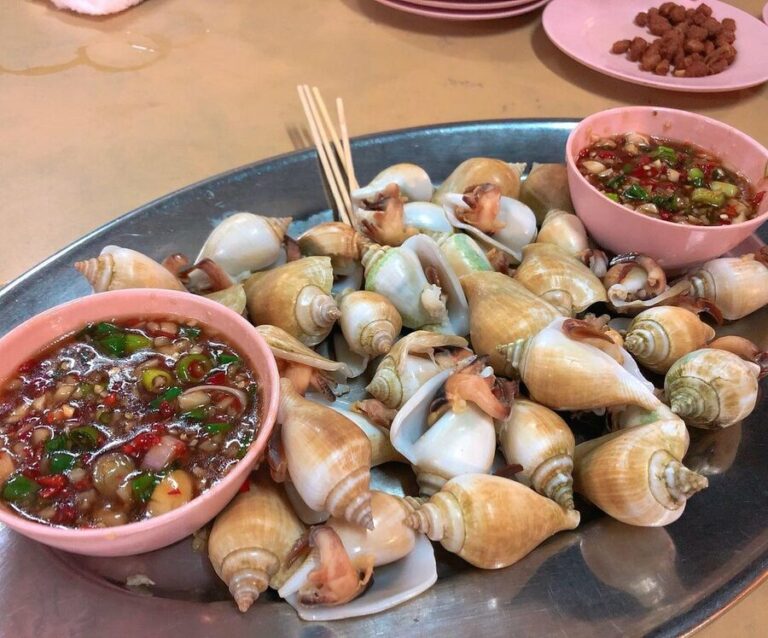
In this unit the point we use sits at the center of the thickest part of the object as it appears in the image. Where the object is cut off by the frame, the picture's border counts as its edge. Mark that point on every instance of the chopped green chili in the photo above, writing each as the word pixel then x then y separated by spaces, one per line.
pixel 143 486
pixel 60 462
pixel 217 428
pixel 193 367
pixel 19 487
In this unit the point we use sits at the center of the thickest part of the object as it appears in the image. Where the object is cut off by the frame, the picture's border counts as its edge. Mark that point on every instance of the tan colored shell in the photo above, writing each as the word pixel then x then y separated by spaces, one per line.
pixel 399 375
pixel 545 188
pixel 565 282
pixel 233 298
pixel 285 346
pixel 636 475
pixel 390 540
pixel 659 336
pixel 118 268
pixel 712 388
pixel 295 297
pixel 369 322
pixel 482 170
pixel 536 438
pixel 251 539
pixel 502 310
pixel 565 372
pixel 736 285
pixel 489 521
pixel 328 456
pixel 565 230
pixel 336 240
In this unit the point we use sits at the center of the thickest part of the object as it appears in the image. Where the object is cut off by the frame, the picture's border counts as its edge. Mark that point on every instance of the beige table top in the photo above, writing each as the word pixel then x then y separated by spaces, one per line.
pixel 100 115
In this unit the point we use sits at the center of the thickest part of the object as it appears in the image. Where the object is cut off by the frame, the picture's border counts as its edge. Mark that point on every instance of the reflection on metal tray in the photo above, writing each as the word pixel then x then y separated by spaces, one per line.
pixel 604 578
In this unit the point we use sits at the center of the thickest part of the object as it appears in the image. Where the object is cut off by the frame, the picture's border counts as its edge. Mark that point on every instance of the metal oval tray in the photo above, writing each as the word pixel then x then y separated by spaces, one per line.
pixel 603 579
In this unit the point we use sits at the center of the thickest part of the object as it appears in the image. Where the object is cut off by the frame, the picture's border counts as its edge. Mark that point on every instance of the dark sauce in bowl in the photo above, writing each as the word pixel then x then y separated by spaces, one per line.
pixel 124 421
pixel 669 180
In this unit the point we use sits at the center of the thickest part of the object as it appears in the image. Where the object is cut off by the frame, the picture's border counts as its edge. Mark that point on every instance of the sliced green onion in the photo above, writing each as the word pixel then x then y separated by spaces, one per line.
pixel 156 380
pixel 708 197
pixel 615 182
pixel 60 462
pixel 217 428
pixel 197 414
pixel 58 442
pixel 612 196
pixel 636 193
pixel 186 375
pixel 134 342
pixel 143 486
pixel 730 190
pixel 169 395
pixel 112 345
pixel 85 437
pixel 224 358
pixel 19 487
pixel 103 328
pixel 666 154
pixel 190 332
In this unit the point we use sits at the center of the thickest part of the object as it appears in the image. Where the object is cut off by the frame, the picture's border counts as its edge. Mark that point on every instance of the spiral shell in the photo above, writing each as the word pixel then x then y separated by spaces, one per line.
pixel 295 297
pixel 233 298
pixel 736 285
pixel 381 447
pixel 658 337
pixel 336 240
pixel 409 364
pixel 546 188
pixel 540 441
pixel 370 322
pixel 426 217
pixel 565 282
pixel 501 310
pixel 244 243
pixel 489 521
pixel 482 170
pixel 463 254
pixel 118 268
pixel 712 388
pixel 636 475
pixel 412 180
pixel 397 274
pixel 328 457
pixel 251 539
pixel 566 373
pixel 288 348
pixel 459 442
pixel 565 230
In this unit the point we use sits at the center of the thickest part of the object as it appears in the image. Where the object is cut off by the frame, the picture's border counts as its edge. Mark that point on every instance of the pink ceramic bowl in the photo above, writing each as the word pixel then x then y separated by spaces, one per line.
pixel 674 246
pixel 35 334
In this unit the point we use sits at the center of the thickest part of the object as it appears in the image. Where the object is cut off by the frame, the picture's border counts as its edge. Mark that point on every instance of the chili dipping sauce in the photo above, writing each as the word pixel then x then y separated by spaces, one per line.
pixel 673 181
pixel 124 421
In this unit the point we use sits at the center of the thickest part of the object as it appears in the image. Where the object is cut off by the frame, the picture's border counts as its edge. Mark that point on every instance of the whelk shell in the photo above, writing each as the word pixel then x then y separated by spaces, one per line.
pixel 463 254
pixel 411 362
pixel 233 298
pixel 118 268
pixel 482 170
pixel 536 438
pixel 546 188
pixel 636 475
pixel 328 457
pixel 564 369
pixel 501 310
pixel 659 336
pixel 251 539
pixel 712 388
pixel 426 217
pixel 369 321
pixel 244 243
pixel 489 521
pixel 412 180
pixel 295 297
pixel 336 240
pixel 565 282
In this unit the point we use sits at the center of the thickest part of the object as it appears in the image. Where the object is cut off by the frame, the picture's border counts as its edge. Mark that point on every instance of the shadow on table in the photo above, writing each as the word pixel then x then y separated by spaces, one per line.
pixel 614 89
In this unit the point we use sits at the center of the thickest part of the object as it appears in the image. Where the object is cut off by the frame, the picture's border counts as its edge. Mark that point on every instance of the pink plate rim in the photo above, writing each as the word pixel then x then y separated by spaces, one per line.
pixel 585 29
pixel 470 5
pixel 446 14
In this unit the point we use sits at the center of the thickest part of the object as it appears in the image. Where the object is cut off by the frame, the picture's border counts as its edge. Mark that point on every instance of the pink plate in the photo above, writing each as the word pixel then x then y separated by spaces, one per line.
pixel 586 29
pixel 456 14
pixel 470 5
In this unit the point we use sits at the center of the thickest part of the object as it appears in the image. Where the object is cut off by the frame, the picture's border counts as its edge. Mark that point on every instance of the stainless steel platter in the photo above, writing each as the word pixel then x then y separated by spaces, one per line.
pixel 604 579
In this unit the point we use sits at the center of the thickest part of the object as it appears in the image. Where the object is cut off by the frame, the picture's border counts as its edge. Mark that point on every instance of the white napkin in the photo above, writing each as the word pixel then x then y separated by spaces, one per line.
pixel 95 7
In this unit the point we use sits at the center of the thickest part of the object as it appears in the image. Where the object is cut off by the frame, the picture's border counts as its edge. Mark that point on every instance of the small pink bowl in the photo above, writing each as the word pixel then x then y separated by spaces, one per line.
pixel 674 246
pixel 34 335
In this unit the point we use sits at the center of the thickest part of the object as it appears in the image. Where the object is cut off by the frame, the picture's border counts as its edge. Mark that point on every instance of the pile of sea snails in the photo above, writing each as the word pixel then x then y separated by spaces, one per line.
pixel 455 329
